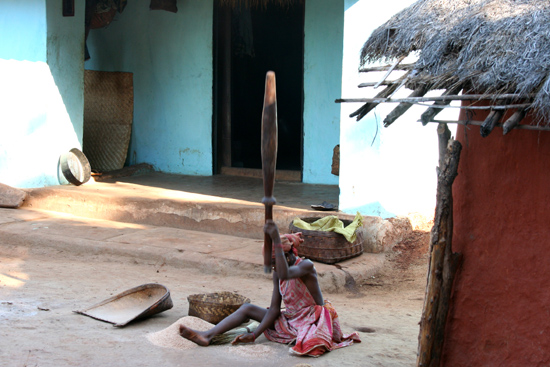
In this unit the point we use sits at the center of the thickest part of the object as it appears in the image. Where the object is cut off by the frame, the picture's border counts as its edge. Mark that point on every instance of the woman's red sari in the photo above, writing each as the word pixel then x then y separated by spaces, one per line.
pixel 314 328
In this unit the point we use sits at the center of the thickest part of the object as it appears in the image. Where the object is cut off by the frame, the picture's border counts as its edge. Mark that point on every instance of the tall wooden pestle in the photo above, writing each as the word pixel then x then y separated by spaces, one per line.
pixel 269 157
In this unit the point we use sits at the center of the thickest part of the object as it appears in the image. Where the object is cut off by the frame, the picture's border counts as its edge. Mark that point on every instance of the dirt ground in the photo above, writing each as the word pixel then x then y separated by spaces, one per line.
pixel 39 289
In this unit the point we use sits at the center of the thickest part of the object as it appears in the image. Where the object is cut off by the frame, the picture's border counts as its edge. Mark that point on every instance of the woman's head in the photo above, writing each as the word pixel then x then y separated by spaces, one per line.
pixel 290 243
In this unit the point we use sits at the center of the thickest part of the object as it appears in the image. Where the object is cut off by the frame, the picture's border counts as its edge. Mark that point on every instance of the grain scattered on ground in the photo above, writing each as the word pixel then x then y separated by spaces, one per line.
pixel 252 350
pixel 171 338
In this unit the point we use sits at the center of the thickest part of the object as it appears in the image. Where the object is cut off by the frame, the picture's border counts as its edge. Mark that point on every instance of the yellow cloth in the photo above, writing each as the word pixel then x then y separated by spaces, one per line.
pixel 332 223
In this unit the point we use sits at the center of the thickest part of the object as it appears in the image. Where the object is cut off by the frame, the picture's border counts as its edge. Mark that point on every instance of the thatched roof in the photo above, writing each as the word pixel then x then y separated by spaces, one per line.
pixel 486 46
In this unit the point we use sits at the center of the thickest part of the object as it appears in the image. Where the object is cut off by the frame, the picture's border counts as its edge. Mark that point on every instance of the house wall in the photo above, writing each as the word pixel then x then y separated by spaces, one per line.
pixel 323 47
pixel 170 55
pixel 500 304
pixel 65 57
pixel 383 171
pixel 41 101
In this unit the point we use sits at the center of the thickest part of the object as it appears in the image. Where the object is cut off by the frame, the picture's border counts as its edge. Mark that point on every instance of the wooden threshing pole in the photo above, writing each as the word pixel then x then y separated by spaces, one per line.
pixel 269 157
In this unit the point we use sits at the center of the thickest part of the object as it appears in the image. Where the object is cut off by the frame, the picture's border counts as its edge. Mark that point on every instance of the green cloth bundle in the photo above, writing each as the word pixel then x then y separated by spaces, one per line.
pixel 230 335
pixel 332 223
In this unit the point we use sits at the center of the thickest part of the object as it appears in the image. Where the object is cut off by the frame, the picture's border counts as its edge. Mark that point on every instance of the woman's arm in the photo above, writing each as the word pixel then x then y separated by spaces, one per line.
pixel 281 266
pixel 305 270
pixel 274 309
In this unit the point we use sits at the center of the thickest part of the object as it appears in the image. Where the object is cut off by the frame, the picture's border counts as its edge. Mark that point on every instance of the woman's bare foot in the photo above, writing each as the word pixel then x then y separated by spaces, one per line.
pixel 195 336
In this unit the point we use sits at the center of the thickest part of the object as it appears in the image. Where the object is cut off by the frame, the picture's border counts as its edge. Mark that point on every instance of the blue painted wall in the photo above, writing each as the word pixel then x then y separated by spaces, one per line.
pixel 323 47
pixel 170 56
pixel 23 30
pixel 40 100
pixel 65 56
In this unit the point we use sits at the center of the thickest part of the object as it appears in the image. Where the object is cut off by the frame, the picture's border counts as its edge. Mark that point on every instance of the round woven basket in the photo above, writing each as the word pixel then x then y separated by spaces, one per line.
pixel 214 307
pixel 326 246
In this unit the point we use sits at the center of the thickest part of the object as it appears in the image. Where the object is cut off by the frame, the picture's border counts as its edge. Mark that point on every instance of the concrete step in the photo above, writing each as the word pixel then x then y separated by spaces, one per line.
pixel 37 231
pixel 168 208
pixel 218 204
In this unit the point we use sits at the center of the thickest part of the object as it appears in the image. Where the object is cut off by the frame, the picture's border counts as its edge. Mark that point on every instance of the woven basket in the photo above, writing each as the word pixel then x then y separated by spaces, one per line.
pixel 214 307
pixel 326 246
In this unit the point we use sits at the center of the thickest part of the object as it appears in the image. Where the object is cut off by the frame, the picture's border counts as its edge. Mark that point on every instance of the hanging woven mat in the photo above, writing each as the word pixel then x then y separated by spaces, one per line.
pixel 214 307
pixel 326 246
pixel 108 115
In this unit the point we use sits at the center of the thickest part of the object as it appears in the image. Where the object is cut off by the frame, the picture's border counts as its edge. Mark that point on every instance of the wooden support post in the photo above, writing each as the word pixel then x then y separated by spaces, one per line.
pixel 442 267
pixel 443 134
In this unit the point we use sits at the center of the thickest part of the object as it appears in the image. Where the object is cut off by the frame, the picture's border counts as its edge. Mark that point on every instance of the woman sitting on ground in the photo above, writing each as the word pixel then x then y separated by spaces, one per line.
pixel 307 320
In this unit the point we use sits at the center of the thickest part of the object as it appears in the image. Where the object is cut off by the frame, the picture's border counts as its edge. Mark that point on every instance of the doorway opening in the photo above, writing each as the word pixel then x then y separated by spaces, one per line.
pixel 249 42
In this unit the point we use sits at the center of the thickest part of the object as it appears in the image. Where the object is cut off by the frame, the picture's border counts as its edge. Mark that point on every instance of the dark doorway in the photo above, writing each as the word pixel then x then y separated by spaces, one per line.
pixel 248 42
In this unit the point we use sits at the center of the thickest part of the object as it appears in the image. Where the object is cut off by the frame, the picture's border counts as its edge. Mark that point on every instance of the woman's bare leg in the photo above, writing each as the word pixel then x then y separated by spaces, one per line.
pixel 245 312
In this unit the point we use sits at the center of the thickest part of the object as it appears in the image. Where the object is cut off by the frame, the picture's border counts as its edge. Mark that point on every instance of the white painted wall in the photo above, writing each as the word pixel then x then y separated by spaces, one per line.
pixel 383 171
pixel 170 56
pixel 323 47
pixel 40 105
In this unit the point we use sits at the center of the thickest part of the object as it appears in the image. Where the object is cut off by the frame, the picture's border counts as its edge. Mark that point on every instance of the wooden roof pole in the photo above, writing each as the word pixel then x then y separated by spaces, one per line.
pixel 479 123
pixel 388 72
pixel 490 122
pixel 404 106
pixel 431 112
pixel 367 107
pixel 386 67
pixel 462 97
pixel 385 93
pixel 513 121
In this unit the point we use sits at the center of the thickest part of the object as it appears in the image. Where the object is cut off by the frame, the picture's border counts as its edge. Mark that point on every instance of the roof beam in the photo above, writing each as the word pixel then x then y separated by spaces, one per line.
pixel 388 72
pixel 431 112
pixel 490 122
pixel 367 107
pixel 462 97
pixel 514 120
pixel 479 123
pixel 386 67
pixel 404 106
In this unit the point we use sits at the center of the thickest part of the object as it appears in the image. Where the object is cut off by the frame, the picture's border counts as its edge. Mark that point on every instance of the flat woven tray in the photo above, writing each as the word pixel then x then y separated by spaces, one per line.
pixel 214 307
pixel 134 304
pixel 326 246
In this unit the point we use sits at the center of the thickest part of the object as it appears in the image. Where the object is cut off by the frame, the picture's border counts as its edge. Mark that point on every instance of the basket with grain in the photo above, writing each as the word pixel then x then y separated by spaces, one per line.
pixel 326 246
pixel 214 307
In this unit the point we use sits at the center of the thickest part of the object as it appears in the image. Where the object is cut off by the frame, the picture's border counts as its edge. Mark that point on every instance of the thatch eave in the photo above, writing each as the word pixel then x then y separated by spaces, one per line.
pixel 488 46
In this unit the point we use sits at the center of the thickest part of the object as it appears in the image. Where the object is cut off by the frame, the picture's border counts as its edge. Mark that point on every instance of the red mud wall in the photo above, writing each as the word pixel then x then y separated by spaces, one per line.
pixel 500 308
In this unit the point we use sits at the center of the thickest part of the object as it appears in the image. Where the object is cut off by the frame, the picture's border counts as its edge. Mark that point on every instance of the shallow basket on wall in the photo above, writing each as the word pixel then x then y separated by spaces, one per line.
pixel 326 246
